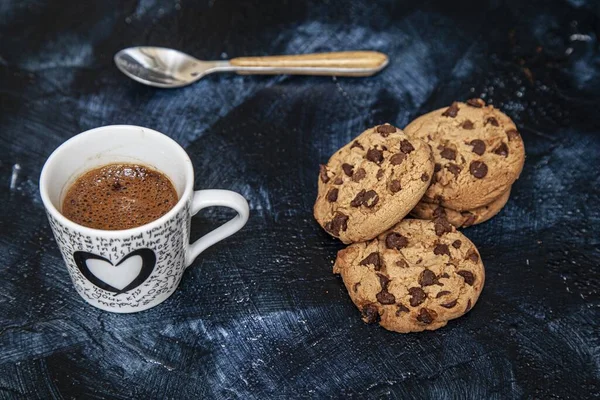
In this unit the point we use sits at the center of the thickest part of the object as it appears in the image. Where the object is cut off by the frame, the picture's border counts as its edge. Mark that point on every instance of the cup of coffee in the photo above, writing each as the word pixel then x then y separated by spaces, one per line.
pixel 120 201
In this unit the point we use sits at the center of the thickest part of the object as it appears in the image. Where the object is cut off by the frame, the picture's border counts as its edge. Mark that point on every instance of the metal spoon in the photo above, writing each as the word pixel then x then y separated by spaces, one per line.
pixel 168 68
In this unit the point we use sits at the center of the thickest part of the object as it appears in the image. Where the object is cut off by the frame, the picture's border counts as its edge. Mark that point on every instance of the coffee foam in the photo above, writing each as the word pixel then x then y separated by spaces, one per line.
pixel 119 196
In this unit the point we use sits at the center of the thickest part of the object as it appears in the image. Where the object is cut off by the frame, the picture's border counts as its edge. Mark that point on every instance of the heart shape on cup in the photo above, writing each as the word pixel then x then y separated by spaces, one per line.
pixel 127 274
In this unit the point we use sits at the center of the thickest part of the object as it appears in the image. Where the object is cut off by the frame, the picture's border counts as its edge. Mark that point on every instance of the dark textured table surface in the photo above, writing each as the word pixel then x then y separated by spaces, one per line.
pixel 261 315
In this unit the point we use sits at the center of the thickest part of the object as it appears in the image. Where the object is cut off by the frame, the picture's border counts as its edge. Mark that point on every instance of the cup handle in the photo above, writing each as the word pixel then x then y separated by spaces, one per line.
pixel 215 197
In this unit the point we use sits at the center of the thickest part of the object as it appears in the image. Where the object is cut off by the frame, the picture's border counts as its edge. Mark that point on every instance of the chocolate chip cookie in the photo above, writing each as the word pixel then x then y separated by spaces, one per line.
pixel 460 219
pixel 372 183
pixel 478 153
pixel 416 276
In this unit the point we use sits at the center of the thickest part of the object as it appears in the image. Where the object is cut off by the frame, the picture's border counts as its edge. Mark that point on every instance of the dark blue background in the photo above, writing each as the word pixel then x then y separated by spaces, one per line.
pixel 261 315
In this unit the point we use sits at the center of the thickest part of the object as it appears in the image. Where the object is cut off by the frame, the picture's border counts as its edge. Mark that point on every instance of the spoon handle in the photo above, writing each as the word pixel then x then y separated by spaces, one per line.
pixel 344 63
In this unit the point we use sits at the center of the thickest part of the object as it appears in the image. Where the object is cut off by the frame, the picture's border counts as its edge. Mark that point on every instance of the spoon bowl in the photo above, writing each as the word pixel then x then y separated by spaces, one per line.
pixel 162 67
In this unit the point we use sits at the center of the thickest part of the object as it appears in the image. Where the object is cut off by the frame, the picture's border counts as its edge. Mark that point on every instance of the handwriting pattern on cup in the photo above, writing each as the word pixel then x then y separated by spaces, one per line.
pixel 168 242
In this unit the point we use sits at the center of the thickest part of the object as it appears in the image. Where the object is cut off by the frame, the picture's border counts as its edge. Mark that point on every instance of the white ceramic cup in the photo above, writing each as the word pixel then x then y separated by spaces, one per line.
pixel 133 269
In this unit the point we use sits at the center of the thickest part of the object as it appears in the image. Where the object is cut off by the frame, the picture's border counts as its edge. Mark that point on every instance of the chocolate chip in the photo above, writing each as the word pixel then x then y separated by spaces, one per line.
pixel 397 158
pixel 468 305
pixel 451 111
pixel 402 263
pixel 374 259
pixel 426 316
pixel 355 287
pixel 337 224
pixel 448 154
pixel 478 169
pixel 338 181
pixel 476 102
pixel 385 297
pixel 370 199
pixel 442 226
pixel 436 168
pixel 469 218
pixel 444 275
pixel 323 173
pixel 358 175
pixel 332 195
pixel 439 212
pixel 418 296
pixel 440 249
pixel 453 168
pixel 440 294
pixel 456 244
pixel 512 134
pixel 117 186
pixel 348 169
pixel 427 278
pixel 478 146
pixel 468 276
pixel 449 304
pixel 358 199
pixel 406 147
pixel 401 308
pixel 472 255
pixel 385 130
pixel 384 281
pixel 370 313
pixel 375 155
pixel 468 124
pixel 491 120
pixel 424 177
pixel 379 174
pixel 396 241
pixel 356 143
pixel 501 150
pixel 395 186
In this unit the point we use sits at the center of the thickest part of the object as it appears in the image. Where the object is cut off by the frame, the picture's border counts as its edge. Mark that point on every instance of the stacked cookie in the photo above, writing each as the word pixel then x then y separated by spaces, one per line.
pixel 478 155
pixel 450 168
pixel 372 183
